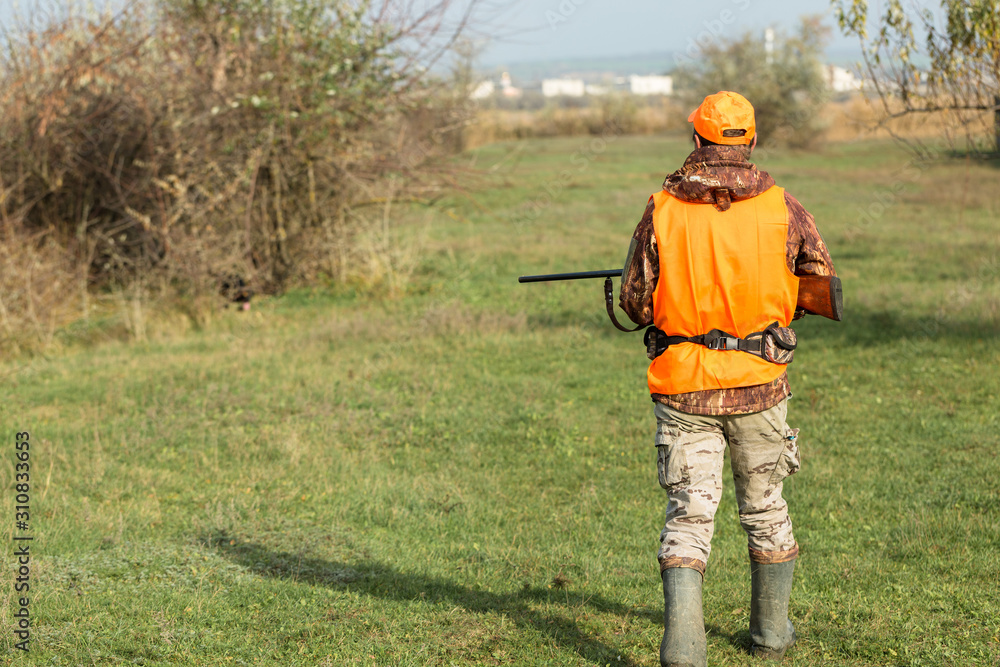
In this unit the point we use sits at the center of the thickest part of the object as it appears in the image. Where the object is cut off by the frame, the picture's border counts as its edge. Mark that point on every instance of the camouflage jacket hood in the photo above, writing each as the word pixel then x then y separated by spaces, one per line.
pixel 717 175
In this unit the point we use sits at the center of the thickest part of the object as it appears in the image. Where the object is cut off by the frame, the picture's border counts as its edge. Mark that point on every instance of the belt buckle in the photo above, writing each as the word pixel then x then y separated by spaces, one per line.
pixel 725 343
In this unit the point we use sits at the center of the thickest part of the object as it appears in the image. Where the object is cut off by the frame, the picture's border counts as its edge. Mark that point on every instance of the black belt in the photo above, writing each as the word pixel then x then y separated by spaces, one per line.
pixel 716 339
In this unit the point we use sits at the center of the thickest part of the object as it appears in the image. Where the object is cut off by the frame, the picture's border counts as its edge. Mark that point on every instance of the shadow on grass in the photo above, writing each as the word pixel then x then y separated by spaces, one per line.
pixel 989 158
pixel 873 328
pixel 387 583
pixel 860 327
pixel 739 639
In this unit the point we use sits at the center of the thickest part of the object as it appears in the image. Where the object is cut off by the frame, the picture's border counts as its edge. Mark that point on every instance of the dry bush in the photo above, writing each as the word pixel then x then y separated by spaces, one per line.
pixel 41 289
pixel 852 118
pixel 623 113
pixel 182 142
pixel 863 118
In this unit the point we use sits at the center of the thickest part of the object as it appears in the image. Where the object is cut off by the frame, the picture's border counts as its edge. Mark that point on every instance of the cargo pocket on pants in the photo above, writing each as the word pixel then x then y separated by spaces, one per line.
pixel 789 463
pixel 671 462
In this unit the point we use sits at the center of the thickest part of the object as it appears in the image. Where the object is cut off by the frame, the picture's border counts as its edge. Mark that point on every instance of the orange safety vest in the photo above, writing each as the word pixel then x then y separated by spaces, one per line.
pixel 719 270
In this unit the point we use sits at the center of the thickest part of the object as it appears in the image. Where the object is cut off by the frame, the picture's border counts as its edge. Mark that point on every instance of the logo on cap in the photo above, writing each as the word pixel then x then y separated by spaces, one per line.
pixel 725 118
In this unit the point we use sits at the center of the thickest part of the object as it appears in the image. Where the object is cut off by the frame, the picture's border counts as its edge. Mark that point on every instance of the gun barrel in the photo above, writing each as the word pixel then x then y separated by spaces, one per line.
pixel 580 275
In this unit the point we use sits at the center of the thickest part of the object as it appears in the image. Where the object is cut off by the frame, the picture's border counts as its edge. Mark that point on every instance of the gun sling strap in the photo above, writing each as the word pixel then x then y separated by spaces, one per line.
pixel 717 339
pixel 609 301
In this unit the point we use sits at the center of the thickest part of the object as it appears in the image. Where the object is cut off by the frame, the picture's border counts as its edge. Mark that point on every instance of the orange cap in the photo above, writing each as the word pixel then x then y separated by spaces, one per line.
pixel 726 118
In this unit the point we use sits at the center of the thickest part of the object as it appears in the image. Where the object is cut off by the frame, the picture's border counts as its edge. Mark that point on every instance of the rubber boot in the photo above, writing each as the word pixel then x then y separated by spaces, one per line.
pixel 683 642
pixel 770 630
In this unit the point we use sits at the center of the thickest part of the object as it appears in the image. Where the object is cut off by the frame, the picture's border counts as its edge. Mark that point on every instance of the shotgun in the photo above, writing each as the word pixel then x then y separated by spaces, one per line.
pixel 819 295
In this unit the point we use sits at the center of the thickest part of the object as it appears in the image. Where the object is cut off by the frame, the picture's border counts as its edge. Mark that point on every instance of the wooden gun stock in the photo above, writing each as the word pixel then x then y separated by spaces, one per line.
pixel 821 295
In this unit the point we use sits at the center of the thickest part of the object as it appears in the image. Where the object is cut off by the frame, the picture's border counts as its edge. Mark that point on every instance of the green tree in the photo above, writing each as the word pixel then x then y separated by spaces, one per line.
pixel 784 81
pixel 954 75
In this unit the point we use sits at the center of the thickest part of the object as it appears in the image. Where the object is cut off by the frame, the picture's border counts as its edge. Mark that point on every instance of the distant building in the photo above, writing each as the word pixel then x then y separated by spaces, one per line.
pixel 596 89
pixel 483 90
pixel 840 80
pixel 563 87
pixel 507 86
pixel 650 85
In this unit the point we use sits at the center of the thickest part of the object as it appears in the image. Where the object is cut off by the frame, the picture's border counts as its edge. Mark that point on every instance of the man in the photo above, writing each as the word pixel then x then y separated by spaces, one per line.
pixel 717 252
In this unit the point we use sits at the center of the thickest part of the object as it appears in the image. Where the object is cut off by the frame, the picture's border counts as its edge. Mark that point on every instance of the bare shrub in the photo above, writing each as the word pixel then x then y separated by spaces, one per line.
pixel 179 142
pixel 41 289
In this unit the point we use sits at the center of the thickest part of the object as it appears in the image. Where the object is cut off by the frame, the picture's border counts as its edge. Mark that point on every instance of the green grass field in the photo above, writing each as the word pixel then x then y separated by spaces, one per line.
pixel 465 475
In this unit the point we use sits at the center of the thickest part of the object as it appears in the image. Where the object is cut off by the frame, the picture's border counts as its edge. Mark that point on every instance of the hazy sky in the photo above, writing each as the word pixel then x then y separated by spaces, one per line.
pixel 555 29
pixel 551 29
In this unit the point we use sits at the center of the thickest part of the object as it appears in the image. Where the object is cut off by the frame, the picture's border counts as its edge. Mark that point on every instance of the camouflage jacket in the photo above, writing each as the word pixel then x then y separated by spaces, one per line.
pixel 717 176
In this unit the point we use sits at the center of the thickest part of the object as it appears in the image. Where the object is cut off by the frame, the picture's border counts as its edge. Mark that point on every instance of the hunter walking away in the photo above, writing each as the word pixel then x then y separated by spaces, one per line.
pixel 714 267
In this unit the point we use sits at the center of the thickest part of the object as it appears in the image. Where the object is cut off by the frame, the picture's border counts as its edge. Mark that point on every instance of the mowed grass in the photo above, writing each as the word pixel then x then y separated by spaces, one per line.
pixel 466 475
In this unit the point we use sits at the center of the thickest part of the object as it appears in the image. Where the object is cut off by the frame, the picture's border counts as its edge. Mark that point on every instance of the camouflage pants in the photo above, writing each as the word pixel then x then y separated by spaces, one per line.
pixel 690 448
